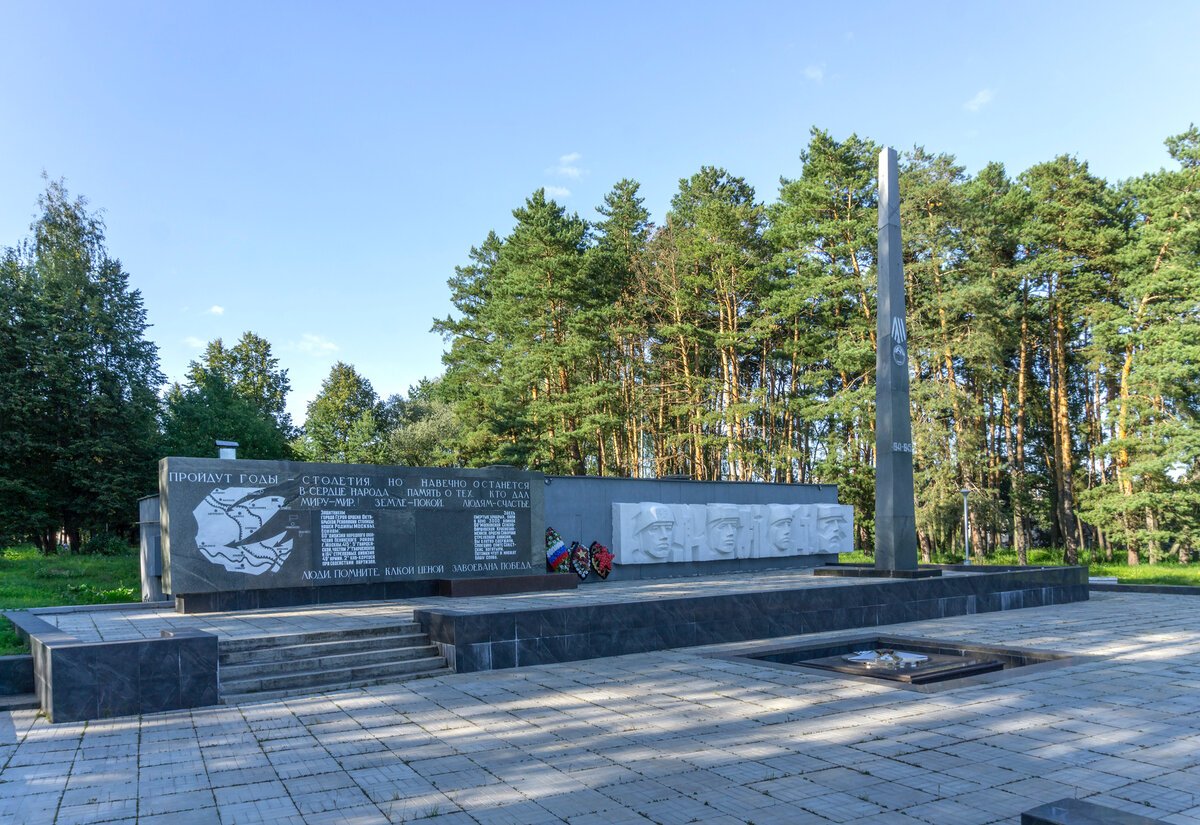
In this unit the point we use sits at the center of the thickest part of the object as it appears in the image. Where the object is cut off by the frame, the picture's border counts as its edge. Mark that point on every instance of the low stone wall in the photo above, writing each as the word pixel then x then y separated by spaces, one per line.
pixel 77 681
pixel 492 641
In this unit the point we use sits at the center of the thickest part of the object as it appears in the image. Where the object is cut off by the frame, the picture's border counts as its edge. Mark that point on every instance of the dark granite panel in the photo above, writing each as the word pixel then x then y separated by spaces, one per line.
pixel 606 642
pixel 156 695
pixel 472 628
pixel 509 584
pixel 502 627
pixel 529 652
pixel 481 653
pixel 438 624
pixel 1070 811
pixel 16 675
pixel 158 661
pixel 73 691
pixel 528 624
pixel 504 655
pixel 712 633
pixel 198 669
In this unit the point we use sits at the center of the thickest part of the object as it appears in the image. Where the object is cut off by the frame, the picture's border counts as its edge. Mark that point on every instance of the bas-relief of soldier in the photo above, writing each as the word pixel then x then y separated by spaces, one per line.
pixel 651 532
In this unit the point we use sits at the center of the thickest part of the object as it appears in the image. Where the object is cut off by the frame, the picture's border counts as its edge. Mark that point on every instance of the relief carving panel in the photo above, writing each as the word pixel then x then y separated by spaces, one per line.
pixel 649 532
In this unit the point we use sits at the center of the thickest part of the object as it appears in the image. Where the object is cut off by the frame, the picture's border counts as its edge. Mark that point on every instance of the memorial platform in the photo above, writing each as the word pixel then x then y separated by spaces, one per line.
pixel 503 631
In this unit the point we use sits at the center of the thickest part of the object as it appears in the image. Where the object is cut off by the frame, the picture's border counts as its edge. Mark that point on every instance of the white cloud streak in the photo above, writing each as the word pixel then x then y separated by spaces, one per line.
pixel 194 342
pixel 815 73
pixel 311 344
pixel 566 168
pixel 216 310
pixel 982 98
pixel 558 192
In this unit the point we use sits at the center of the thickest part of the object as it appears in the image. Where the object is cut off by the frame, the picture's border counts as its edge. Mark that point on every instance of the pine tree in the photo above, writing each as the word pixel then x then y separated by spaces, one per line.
pixel 1150 341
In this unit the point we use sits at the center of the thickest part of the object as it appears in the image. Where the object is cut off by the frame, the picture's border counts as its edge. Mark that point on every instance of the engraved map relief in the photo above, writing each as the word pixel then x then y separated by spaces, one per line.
pixel 228 523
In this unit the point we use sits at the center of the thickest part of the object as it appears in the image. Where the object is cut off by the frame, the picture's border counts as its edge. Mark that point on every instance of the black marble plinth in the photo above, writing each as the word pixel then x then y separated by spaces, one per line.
pixel 475 641
pixel 868 572
pixel 1079 812
pixel 221 602
pixel 16 675
pixel 459 588
pixel 77 681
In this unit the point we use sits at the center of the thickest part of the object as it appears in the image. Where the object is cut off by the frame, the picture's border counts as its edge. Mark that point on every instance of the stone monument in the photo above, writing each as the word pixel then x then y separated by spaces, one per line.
pixel 290 529
pixel 895 516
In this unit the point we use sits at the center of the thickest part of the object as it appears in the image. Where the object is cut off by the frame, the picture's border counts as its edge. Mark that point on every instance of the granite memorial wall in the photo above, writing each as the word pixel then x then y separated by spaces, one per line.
pixel 230 526
pixel 658 528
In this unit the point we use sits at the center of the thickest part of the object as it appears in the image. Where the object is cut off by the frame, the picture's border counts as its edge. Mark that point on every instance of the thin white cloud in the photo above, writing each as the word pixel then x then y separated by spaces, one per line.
pixel 216 310
pixel 566 167
pixel 558 192
pixel 311 344
pixel 194 342
pixel 982 98
pixel 815 73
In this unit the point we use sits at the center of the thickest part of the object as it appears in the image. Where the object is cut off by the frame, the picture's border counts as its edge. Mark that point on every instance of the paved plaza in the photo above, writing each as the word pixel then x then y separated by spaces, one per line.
pixel 138 621
pixel 670 737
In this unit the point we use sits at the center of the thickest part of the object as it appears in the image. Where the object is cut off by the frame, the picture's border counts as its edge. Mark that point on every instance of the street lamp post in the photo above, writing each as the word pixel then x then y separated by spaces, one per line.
pixel 966 529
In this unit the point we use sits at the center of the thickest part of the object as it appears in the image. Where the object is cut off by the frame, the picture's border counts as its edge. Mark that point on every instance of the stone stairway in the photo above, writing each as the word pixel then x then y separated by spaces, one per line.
pixel 275 667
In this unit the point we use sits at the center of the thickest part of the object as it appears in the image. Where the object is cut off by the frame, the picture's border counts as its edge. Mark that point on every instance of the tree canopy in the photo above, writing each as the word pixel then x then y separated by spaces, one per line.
pixel 78 382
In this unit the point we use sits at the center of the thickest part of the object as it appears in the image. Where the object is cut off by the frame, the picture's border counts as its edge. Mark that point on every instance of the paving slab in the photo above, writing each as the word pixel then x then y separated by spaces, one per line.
pixel 666 737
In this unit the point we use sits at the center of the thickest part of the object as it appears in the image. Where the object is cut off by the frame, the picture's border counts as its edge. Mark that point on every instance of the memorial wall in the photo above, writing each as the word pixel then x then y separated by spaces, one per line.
pixel 256 525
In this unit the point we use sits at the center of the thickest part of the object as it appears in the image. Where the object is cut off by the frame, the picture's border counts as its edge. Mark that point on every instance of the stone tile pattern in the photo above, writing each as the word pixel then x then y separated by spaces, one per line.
pixel 490 641
pixel 663 737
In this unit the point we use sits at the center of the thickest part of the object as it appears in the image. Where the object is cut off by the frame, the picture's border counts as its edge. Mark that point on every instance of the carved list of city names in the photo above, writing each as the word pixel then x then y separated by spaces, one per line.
pixel 231 525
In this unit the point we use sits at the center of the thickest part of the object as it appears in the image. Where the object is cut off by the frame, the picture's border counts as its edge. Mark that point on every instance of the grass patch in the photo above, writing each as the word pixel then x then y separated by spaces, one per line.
pixel 29 579
pixel 1162 573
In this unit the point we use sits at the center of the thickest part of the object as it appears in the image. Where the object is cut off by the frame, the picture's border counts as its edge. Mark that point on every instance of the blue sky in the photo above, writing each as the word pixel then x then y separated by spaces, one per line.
pixel 314 172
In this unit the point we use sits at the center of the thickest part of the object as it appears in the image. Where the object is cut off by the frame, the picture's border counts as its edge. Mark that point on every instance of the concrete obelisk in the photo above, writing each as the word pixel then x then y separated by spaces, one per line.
pixel 895 517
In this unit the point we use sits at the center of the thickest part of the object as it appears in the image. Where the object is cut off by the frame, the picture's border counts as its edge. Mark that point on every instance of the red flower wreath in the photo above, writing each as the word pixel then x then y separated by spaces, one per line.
pixel 601 559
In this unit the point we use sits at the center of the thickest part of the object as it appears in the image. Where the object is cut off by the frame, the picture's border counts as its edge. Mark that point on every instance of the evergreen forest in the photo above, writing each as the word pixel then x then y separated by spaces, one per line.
pixel 1054 340
pixel 1054 335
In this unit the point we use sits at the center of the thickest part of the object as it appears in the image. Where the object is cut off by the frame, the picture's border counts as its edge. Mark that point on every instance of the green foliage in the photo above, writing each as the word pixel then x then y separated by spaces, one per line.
pixel 197 415
pixel 1052 332
pixel 78 405
pixel 420 430
pixel 341 425
pixel 251 373
pixel 106 544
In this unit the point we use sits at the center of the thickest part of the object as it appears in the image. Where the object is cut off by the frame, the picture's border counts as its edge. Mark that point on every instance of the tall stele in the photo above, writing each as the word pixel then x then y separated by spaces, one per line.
pixel 895 516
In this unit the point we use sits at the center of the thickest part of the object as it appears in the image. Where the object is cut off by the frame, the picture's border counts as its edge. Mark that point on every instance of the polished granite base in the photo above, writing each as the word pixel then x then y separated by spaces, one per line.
pixel 1078 812
pixel 474 641
pixel 866 571
pixel 77 681
pixel 120 676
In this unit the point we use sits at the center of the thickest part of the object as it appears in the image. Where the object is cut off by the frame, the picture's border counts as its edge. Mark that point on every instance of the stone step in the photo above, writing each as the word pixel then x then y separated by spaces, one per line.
pixel 19 701
pixel 332 679
pixel 316 636
pixel 302 649
pixel 287 693
pixel 325 659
